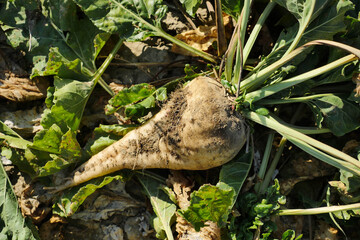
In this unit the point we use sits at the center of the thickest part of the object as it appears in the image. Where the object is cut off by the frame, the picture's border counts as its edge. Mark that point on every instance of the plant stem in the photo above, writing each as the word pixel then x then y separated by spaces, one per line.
pixel 340 164
pixel 244 20
pixel 270 122
pixel 258 78
pixel 272 168
pixel 256 30
pixel 238 67
pixel 303 23
pixel 265 161
pixel 319 210
pixel 270 90
pixel 160 33
pixel 221 39
pixel 293 100
pixel 230 53
pixel 104 65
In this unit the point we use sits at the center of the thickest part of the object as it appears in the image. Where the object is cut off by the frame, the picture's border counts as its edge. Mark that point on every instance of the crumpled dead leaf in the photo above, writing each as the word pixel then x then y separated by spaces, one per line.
pixel 23 89
pixel 202 38
pixel 182 189
pixel 34 201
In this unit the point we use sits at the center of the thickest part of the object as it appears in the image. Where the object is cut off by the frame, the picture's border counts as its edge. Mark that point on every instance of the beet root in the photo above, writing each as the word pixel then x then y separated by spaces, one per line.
pixel 197 129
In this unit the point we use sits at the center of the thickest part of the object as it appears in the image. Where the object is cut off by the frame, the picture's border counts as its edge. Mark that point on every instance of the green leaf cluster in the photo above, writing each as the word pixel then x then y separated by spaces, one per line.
pixel 256 211
pixel 137 100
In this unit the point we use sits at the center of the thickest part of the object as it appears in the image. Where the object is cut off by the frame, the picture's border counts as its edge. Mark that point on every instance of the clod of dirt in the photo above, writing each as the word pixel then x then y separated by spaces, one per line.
pixel 24 122
pixel 141 62
pixel 301 168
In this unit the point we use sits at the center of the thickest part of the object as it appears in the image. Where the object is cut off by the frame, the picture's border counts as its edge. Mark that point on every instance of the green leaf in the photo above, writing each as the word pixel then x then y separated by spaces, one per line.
pixel 232 7
pixel 72 199
pixel 12 138
pixel 128 96
pixel 76 30
pixel 15 142
pixel 290 235
pixel 4 129
pixel 340 116
pixel 53 166
pixel 209 203
pixel 69 147
pixel 162 206
pixel 327 21
pixel 191 6
pixel 105 135
pixel 303 11
pixel 161 94
pixel 17 157
pixel 140 109
pixel 234 173
pixel 69 153
pixel 29 31
pixel 13 225
pixel 48 140
pixel 70 98
pixel 133 20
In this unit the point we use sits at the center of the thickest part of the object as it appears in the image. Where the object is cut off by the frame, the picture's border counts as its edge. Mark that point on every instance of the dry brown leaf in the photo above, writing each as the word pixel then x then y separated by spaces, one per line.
pixel 202 38
pixel 34 202
pixel 23 89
